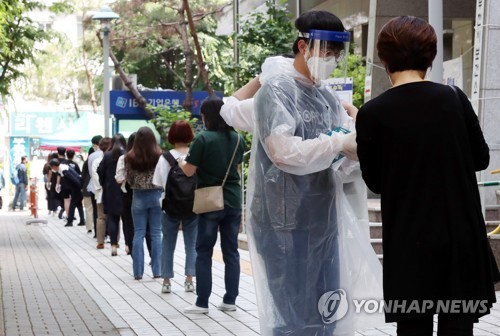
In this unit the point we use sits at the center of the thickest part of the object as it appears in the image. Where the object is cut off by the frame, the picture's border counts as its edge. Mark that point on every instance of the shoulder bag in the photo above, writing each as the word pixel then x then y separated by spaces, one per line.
pixel 210 199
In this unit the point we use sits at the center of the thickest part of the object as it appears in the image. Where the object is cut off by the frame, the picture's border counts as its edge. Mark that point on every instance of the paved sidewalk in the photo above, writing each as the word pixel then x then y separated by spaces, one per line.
pixel 55 282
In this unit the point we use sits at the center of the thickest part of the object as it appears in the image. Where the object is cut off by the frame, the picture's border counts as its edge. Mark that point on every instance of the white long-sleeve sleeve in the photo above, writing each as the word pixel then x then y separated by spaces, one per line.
pixel 121 173
pixel 297 156
pixel 94 178
pixel 239 113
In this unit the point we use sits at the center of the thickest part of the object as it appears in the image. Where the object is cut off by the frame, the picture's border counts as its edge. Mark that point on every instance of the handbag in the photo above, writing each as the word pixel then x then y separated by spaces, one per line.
pixel 210 199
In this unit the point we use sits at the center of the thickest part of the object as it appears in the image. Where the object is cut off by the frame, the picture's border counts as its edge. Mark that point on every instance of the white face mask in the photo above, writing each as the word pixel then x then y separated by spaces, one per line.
pixel 320 68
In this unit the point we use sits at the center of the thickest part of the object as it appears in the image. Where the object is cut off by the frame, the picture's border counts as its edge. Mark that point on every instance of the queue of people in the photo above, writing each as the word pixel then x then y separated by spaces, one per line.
pixel 306 201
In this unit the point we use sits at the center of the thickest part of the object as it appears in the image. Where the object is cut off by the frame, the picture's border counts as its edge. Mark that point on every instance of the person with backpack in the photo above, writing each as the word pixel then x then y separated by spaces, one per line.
pixel 20 179
pixel 73 182
pixel 177 205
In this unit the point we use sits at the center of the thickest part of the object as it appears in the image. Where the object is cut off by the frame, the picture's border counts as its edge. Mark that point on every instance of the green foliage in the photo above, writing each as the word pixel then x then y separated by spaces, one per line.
pixel 356 68
pixel 147 41
pixel 165 117
pixel 18 38
pixel 262 35
pixel 62 7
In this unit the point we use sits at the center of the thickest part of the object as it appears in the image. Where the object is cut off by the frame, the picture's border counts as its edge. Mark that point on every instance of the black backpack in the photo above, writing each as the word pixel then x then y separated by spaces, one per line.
pixel 179 191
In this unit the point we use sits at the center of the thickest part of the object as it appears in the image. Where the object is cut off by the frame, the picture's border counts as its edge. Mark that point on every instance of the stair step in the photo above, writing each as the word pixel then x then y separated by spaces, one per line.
pixel 495 248
pixel 375 230
pixel 377 245
pixel 492 212
pixel 491 225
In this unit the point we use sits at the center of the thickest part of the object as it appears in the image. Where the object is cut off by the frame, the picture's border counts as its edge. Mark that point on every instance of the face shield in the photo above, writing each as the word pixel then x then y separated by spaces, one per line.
pixel 327 51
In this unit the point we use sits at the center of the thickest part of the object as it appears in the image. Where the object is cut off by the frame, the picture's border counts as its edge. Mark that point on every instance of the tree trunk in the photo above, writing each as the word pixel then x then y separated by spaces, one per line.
pixel 199 56
pixel 89 83
pixel 188 53
pixel 133 90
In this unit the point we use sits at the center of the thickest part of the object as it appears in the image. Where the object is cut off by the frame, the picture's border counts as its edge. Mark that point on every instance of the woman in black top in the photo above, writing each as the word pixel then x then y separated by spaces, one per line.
pixel 419 145
pixel 112 194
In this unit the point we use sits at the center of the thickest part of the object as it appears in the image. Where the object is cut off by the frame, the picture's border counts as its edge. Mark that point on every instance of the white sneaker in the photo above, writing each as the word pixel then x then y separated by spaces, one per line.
pixel 188 286
pixel 226 307
pixel 166 288
pixel 194 309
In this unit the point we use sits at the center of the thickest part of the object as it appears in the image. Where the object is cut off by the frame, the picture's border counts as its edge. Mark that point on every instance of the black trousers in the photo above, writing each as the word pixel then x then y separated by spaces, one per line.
pixel 94 210
pixel 448 325
pixel 76 203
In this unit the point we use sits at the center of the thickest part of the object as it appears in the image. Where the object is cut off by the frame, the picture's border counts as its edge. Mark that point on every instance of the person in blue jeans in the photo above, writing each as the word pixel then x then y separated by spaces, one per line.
pixel 177 205
pixel 22 186
pixel 140 163
pixel 210 155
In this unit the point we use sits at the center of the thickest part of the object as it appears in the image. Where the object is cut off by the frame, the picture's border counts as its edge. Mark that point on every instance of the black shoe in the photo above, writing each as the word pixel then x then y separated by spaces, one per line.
pixel 81 224
pixel 68 223
pixel 60 213
pixel 89 231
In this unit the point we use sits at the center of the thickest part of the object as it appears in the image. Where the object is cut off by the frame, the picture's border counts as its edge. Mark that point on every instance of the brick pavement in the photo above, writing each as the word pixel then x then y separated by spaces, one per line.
pixel 55 282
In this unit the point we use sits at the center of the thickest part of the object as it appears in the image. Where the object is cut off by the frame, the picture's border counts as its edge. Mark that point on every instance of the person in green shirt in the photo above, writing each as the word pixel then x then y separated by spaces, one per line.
pixel 209 157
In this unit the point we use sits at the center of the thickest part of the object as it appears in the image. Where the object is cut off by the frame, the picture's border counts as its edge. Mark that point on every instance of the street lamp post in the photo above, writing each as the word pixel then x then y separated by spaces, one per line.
pixel 105 16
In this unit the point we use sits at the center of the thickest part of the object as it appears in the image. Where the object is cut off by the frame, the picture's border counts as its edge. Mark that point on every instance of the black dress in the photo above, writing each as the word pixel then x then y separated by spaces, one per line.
pixel 419 145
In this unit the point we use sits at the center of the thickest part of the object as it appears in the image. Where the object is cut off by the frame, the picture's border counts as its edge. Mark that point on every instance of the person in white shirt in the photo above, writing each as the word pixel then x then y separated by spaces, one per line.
pixel 180 135
pixel 95 188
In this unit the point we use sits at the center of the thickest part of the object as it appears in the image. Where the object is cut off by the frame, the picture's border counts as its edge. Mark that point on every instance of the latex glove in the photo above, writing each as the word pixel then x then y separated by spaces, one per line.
pixel 351 110
pixel 58 188
pixel 350 147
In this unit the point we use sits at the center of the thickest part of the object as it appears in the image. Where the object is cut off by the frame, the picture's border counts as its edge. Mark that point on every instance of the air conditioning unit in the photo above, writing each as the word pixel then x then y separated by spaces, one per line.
pixel 118 84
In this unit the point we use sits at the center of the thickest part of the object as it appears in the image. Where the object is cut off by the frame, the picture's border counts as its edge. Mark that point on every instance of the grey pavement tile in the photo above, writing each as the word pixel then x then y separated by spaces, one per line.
pixel 62 284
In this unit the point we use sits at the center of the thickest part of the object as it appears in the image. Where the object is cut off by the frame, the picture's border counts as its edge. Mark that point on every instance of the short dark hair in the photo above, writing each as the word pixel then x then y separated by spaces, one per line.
pixel 104 144
pixel 321 20
pixel 70 154
pixel 180 132
pixel 95 139
pixel 61 150
pixel 407 43
pixel 23 158
pixel 54 162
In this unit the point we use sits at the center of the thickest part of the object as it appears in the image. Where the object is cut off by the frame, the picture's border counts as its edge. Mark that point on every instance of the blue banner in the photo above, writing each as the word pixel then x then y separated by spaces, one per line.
pixel 124 105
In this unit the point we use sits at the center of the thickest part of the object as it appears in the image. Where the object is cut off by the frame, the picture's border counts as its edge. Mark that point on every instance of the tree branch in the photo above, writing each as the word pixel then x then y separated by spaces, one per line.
pixel 133 90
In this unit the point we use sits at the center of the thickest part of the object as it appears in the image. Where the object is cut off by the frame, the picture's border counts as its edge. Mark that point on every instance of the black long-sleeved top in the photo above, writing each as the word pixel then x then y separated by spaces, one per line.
pixel 419 145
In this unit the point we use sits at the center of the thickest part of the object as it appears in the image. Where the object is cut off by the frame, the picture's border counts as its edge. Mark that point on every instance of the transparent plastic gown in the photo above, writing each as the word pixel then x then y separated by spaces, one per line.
pixel 310 257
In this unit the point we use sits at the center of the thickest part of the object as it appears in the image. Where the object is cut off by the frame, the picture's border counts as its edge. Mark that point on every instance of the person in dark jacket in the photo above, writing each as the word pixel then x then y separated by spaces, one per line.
pixel 87 196
pixel 112 194
pixel 72 180
pixel 22 185
pixel 419 146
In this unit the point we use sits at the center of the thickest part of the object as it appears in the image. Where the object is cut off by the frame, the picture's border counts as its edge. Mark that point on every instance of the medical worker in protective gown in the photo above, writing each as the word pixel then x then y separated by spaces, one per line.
pixel 308 262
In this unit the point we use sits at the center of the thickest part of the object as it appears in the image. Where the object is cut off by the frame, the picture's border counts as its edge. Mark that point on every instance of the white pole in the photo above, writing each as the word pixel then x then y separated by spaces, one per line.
pixel 436 21
pixel 105 78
